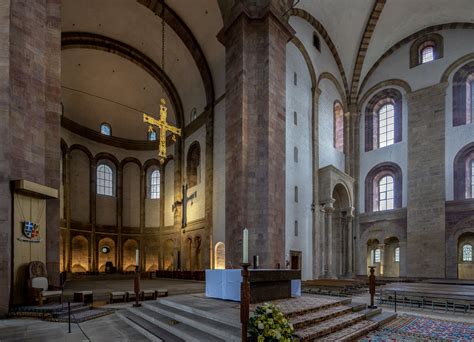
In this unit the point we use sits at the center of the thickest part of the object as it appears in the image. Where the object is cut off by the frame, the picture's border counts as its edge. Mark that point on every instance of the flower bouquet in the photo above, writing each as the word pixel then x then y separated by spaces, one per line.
pixel 269 324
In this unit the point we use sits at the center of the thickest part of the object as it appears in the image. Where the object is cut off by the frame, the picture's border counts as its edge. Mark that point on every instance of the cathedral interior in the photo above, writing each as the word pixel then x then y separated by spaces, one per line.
pixel 340 133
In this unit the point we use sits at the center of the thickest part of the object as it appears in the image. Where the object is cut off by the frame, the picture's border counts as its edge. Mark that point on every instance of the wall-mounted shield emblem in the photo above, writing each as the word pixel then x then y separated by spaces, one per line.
pixel 30 230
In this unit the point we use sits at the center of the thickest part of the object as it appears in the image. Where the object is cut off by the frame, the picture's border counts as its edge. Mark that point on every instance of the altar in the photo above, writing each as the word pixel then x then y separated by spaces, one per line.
pixel 265 285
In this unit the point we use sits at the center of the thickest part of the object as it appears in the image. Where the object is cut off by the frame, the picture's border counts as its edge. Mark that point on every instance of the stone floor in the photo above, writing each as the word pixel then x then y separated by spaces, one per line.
pixel 109 328
pixel 112 328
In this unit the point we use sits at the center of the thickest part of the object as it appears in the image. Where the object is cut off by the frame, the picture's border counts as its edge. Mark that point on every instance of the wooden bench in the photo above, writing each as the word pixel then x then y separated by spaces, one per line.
pixel 161 293
pixel 130 295
pixel 84 297
pixel 148 293
pixel 121 295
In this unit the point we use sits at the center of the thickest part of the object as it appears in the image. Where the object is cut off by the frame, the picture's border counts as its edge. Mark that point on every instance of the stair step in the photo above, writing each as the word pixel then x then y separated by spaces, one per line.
pixel 351 333
pixel 200 309
pixel 303 321
pixel 147 329
pixel 306 304
pixel 329 326
pixel 371 312
pixel 356 307
pixel 174 327
pixel 383 318
pixel 210 326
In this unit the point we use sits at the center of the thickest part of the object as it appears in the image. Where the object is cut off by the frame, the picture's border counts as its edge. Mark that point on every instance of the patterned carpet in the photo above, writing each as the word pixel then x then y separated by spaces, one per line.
pixel 413 328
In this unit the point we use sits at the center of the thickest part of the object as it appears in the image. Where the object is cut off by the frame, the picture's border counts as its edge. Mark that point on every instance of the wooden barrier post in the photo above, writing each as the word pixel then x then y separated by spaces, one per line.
pixel 372 287
pixel 244 300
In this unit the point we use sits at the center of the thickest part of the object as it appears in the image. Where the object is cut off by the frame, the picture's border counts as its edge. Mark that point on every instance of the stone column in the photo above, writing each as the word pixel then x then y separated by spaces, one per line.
pixel 350 260
pixel 161 265
pixel 255 35
pixel 119 248
pixel 402 265
pixel 426 222
pixel 208 243
pixel 141 242
pixel 93 215
pixel 328 225
pixel 316 232
pixel 67 209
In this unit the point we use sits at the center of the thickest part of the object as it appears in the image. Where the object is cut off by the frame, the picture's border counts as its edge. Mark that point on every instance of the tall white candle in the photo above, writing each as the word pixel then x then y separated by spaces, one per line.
pixel 137 256
pixel 245 246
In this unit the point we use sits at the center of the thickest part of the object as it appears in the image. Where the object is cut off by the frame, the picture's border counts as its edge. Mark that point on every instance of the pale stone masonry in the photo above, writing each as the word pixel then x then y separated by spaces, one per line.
pixel 426 223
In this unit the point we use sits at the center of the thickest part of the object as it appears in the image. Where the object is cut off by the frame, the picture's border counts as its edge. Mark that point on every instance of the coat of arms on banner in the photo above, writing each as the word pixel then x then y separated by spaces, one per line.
pixel 30 230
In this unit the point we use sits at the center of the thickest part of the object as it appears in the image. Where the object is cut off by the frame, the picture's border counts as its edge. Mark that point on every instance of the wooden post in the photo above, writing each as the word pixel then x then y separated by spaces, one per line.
pixel 244 300
pixel 136 286
pixel 372 287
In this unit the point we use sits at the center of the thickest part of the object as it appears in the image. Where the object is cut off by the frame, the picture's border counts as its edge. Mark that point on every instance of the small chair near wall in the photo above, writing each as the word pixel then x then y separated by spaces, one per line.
pixel 38 284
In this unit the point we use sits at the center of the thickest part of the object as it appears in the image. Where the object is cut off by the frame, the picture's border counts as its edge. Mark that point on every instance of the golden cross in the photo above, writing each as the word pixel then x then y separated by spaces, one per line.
pixel 164 129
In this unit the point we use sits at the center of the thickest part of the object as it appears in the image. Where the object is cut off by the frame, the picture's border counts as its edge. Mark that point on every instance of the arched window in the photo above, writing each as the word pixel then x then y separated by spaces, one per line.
pixel 193 164
pixel 386 125
pixel 377 256
pixel 467 252
pixel 105 183
pixel 463 177
pixel 383 119
pixel 385 193
pixel 472 178
pixel 152 136
pixel 463 95
pixel 155 184
pixel 470 99
pixel 193 114
pixel 383 187
pixel 427 52
pixel 397 254
pixel 338 126
pixel 426 49
pixel 105 129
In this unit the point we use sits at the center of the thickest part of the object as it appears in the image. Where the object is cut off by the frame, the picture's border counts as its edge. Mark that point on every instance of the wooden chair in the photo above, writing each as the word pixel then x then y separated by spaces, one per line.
pixel 38 284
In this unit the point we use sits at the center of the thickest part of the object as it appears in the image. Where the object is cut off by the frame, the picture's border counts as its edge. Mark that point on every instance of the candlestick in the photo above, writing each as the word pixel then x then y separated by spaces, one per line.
pixel 137 257
pixel 245 246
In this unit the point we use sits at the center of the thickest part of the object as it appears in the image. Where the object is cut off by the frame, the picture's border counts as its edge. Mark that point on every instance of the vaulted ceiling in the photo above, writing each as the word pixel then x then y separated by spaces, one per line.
pixel 361 32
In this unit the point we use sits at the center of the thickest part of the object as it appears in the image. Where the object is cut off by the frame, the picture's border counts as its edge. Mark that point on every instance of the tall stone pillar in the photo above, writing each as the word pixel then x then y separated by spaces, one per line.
pixel 350 260
pixel 317 233
pixel 30 107
pixel 255 35
pixel 328 241
pixel 426 224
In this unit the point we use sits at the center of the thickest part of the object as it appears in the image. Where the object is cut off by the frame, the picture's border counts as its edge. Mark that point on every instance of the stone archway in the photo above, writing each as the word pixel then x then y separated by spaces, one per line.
pixel 80 254
pixel 339 240
pixel 465 257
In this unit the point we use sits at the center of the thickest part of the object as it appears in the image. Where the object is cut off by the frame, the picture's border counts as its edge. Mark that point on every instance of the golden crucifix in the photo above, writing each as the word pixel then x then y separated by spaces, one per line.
pixel 164 129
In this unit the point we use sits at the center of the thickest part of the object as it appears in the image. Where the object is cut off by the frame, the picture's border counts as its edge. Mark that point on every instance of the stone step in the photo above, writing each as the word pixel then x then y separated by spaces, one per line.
pixel 210 326
pixel 302 321
pixel 307 304
pixel 356 307
pixel 179 329
pixel 147 329
pixel 383 318
pixel 371 312
pixel 352 332
pixel 329 326
pixel 170 302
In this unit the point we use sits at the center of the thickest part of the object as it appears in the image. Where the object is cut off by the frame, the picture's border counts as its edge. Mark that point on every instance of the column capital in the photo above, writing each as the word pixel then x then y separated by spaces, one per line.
pixel 328 205
pixel 257 11
pixel 350 212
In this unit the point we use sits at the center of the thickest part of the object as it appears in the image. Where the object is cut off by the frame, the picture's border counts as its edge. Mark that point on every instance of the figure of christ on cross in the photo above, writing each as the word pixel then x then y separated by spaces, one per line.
pixel 164 127
pixel 184 205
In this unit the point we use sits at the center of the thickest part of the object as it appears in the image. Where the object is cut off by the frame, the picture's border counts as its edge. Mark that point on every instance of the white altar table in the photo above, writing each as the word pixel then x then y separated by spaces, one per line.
pixel 225 284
